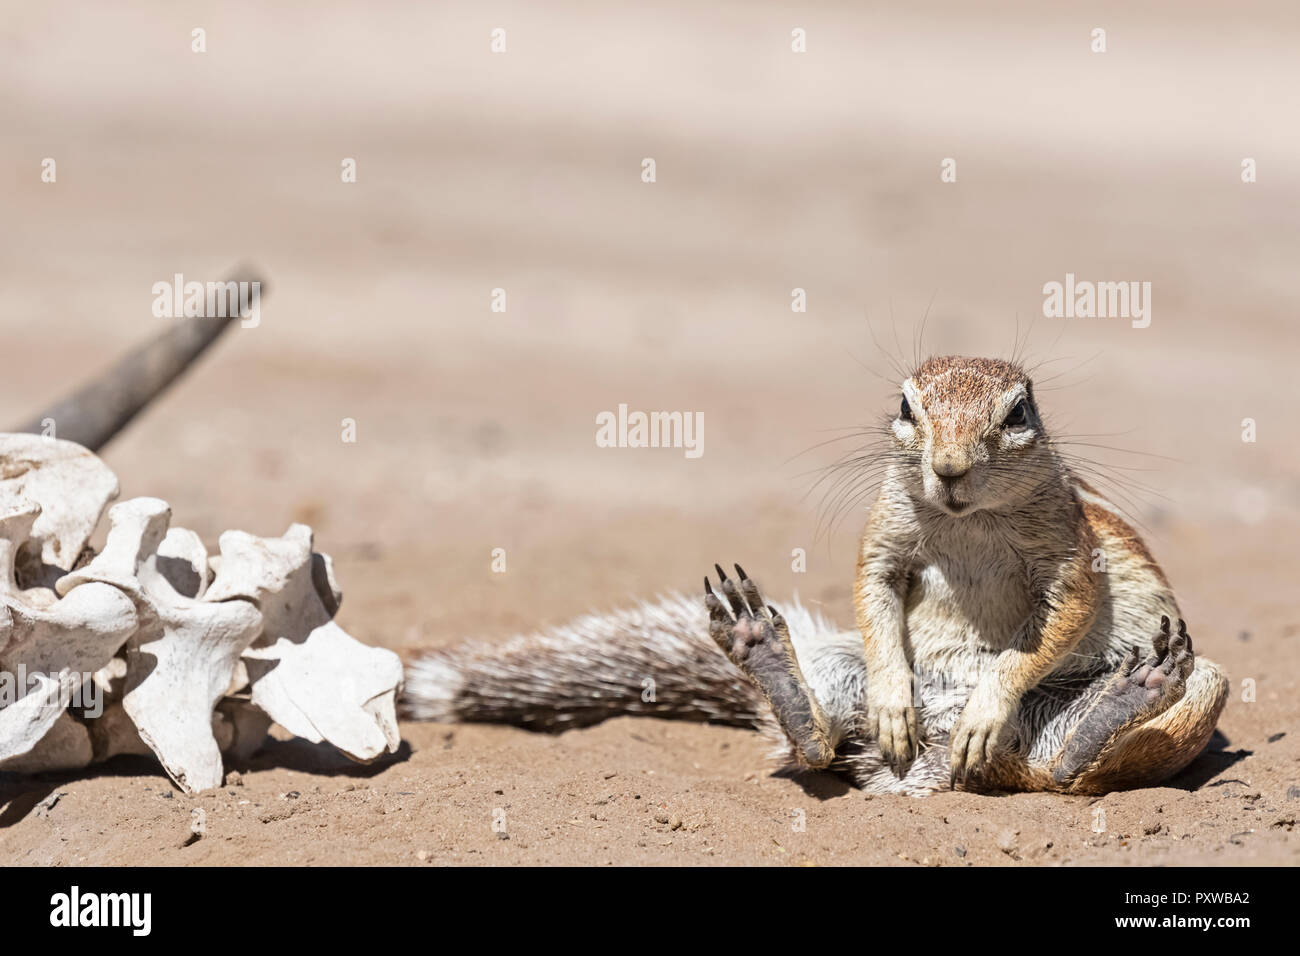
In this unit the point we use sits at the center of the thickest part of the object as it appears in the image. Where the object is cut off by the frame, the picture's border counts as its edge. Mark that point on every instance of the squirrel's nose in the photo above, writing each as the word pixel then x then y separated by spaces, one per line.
pixel 950 463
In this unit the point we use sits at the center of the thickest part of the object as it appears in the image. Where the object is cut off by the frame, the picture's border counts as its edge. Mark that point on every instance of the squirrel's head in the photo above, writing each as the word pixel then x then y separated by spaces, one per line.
pixel 972 431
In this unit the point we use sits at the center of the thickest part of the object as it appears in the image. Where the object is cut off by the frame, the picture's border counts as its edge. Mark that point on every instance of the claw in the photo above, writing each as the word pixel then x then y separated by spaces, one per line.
pixel 722 575
pixel 743 575
pixel 1160 643
pixel 734 598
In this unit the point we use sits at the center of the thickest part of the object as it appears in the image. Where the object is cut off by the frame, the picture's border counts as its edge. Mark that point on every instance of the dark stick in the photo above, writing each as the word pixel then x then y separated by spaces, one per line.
pixel 93 414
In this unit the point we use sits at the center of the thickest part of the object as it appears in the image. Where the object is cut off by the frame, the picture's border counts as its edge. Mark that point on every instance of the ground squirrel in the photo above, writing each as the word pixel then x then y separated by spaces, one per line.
pixel 1014 633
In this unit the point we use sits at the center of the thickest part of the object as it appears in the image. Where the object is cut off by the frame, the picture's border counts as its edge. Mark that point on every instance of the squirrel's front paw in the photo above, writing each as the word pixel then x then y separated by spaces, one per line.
pixel 891 720
pixel 982 729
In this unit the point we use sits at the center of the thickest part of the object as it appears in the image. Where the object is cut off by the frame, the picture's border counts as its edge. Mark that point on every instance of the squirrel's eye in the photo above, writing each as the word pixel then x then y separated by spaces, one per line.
pixel 905 412
pixel 1018 415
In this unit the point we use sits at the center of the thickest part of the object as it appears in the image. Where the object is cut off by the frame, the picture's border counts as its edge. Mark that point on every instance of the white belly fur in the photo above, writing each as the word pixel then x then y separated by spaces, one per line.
pixel 957 621
pixel 969 596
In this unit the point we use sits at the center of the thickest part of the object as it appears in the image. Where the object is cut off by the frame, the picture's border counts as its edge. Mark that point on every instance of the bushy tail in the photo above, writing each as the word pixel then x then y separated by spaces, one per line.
pixel 654 660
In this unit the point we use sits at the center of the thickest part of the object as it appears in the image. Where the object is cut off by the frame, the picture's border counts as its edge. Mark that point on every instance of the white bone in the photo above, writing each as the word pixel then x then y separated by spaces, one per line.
pixel 49 648
pixel 181 660
pixel 70 484
pixel 65 746
pixel 308 674
pixel 110 676
pixel 152 631
pixel 248 725
pixel 183 561
pixel 114 733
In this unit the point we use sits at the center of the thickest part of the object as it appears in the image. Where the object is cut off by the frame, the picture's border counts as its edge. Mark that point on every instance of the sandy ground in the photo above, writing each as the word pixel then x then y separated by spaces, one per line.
pixel 476 429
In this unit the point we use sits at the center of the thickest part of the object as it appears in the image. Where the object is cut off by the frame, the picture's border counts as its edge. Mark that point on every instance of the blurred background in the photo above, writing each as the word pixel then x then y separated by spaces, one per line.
pixel 774 171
